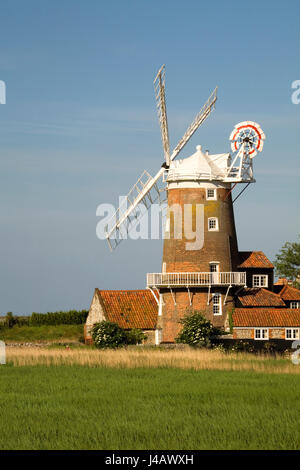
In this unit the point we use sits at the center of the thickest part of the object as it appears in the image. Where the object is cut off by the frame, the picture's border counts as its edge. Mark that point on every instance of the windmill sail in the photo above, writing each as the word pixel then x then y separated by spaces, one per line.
pixel 146 190
pixel 159 88
pixel 137 202
pixel 199 119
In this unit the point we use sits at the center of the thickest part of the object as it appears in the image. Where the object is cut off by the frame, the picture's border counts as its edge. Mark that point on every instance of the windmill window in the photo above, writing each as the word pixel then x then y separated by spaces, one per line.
pixel 292 333
pixel 259 280
pixel 295 305
pixel 211 194
pixel 217 304
pixel 213 224
pixel 214 267
pixel 261 333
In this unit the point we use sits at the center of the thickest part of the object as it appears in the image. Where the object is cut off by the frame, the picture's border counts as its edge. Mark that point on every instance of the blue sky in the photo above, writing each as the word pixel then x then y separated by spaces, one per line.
pixel 80 126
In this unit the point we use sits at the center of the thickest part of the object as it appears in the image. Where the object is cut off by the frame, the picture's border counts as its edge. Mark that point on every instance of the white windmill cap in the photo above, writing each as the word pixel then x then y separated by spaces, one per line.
pixel 200 165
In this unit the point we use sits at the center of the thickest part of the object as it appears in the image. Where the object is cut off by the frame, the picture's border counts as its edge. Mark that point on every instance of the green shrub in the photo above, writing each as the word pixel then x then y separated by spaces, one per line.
pixel 10 320
pixel 196 331
pixel 243 346
pixel 270 347
pixel 107 334
pixel 135 336
pixel 22 321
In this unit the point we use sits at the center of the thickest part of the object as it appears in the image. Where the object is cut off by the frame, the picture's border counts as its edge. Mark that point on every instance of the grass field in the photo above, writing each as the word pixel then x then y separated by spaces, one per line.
pixel 41 333
pixel 76 407
pixel 142 398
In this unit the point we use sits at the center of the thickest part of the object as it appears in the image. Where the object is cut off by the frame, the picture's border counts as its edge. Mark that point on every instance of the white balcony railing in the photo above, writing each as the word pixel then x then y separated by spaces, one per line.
pixel 196 279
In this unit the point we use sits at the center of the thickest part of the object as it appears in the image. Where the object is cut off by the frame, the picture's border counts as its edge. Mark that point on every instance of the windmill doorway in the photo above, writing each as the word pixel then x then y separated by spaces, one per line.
pixel 214 268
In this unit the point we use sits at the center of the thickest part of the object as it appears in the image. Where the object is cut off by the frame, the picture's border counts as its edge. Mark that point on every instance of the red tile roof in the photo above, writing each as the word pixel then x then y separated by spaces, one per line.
pixel 129 308
pixel 254 259
pixel 257 317
pixel 289 293
pixel 281 281
pixel 259 297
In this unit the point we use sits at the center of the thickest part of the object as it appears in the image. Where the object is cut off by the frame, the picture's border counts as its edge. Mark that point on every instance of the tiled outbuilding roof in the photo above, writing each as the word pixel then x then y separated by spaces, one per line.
pixel 281 281
pixel 254 259
pixel 289 293
pixel 259 297
pixel 129 308
pixel 258 317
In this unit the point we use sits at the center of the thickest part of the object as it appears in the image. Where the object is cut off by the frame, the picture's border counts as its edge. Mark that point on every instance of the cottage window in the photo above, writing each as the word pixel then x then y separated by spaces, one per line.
pixel 261 333
pixel 211 194
pixel 213 224
pixel 217 304
pixel 259 280
pixel 295 305
pixel 292 333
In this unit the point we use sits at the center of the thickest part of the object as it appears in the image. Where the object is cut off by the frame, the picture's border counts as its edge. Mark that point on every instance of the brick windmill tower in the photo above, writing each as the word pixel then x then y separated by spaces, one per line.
pixel 200 254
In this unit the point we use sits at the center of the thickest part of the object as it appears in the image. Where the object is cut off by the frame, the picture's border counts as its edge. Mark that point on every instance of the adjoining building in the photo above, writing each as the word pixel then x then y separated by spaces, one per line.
pixel 269 312
pixel 128 308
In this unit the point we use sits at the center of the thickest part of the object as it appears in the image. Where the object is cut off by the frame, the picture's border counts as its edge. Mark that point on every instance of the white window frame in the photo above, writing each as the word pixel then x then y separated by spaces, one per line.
pixel 296 304
pixel 261 334
pixel 211 198
pixel 216 228
pixel 295 333
pixel 263 280
pixel 214 263
pixel 218 305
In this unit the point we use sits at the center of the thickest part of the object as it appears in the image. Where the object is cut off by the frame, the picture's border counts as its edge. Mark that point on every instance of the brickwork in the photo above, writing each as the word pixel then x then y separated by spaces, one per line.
pixel 242 334
pixel 95 315
pixel 150 336
pixel 218 245
pixel 172 314
pixel 248 333
pixel 277 333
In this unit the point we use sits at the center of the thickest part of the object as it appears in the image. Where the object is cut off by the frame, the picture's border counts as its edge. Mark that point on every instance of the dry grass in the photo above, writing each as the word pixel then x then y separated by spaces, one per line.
pixel 151 358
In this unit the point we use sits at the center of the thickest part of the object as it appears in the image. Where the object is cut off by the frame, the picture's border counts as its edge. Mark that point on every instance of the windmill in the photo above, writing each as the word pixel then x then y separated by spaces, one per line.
pixel 146 190
pixel 203 274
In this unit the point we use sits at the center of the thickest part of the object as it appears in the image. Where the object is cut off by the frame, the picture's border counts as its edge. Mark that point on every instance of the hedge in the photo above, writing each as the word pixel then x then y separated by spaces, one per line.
pixel 72 317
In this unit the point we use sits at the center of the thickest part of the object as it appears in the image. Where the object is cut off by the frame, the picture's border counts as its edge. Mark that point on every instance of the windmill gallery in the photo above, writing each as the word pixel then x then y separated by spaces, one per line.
pixel 202 268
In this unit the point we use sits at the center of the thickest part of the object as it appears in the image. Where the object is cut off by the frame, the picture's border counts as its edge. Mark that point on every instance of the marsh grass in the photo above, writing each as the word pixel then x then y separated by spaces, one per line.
pixel 201 359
